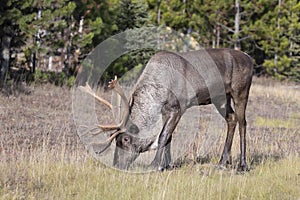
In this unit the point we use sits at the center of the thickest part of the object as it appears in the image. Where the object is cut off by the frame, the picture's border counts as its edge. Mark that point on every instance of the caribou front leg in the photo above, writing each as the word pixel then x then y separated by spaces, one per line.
pixel 166 157
pixel 171 118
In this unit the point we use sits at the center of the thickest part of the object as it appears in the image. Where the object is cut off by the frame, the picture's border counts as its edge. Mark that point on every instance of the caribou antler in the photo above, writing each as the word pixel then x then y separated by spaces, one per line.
pixel 113 84
pixel 120 128
pixel 108 142
pixel 89 90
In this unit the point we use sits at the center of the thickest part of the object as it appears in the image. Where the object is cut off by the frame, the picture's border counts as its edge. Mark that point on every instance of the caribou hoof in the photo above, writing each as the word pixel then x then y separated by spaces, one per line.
pixel 243 168
pixel 224 164
pixel 161 169
pixel 165 168
pixel 157 167
pixel 222 167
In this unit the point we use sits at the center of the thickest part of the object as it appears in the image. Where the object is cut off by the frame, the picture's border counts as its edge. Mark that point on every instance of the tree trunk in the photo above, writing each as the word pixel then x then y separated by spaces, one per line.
pixel 218 36
pixel 5 58
pixel 237 45
pixel 214 38
pixel 32 62
pixel 158 12
pixel 278 26
pixel 158 21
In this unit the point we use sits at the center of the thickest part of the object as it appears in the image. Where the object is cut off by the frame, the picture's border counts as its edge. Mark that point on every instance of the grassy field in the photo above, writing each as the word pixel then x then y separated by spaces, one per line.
pixel 42 157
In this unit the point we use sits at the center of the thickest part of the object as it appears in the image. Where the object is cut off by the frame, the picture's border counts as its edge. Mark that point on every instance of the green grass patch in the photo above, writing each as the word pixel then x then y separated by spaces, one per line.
pixel 275 123
pixel 295 116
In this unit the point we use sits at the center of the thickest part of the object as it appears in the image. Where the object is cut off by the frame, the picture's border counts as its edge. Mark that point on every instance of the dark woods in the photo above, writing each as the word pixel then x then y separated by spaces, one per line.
pixel 46 41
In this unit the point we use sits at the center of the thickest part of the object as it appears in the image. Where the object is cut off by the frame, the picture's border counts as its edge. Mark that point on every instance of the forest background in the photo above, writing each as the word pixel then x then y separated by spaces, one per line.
pixel 45 41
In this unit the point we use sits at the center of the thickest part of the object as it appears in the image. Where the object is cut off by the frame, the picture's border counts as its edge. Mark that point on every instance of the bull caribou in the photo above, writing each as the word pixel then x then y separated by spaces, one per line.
pixel 217 76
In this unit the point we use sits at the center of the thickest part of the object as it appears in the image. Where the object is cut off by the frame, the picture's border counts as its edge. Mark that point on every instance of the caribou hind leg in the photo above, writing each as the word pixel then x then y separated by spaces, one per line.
pixel 240 108
pixel 231 119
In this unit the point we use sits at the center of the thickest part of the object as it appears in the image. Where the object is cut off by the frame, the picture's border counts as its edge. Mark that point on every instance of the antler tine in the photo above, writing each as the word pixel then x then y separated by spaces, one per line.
pixel 115 134
pixel 89 90
pixel 120 128
pixel 108 142
pixel 113 84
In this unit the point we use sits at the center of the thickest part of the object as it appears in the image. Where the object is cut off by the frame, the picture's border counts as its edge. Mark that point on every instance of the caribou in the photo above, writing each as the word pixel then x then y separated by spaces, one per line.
pixel 217 76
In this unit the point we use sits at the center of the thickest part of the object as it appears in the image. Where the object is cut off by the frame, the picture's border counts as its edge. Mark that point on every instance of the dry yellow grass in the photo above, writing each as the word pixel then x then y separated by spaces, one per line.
pixel 285 93
pixel 50 179
pixel 42 158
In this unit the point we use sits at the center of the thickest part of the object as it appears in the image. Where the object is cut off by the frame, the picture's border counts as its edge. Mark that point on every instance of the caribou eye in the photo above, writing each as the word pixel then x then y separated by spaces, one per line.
pixel 126 139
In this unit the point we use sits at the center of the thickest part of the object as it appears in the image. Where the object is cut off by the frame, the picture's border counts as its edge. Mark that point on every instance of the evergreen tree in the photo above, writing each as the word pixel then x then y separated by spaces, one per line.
pixel 35 28
pixel 268 30
pixel 11 11
pixel 277 33
pixel 132 15
pixel 174 13
pixel 94 21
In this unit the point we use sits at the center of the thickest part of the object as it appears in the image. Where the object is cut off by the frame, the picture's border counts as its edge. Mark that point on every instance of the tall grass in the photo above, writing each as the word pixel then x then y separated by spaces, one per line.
pixel 48 178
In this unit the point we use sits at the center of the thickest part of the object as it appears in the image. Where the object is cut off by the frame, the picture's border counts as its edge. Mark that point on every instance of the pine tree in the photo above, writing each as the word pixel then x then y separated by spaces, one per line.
pixel 10 12
pixel 277 33
pixel 35 28
pixel 132 17
pixel 93 23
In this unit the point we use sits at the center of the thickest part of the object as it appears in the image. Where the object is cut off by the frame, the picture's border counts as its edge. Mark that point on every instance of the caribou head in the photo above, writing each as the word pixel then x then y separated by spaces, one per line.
pixel 128 144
